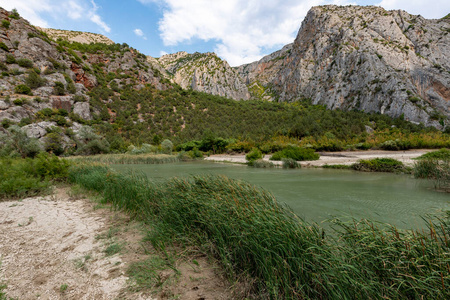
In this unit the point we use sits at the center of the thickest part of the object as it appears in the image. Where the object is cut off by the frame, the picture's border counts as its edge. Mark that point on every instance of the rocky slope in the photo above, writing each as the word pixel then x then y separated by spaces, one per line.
pixel 76 36
pixel 204 72
pixel 47 84
pixel 364 58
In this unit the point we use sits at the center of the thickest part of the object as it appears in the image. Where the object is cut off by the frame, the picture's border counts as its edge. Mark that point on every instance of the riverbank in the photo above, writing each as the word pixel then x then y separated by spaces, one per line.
pixel 335 158
pixel 63 246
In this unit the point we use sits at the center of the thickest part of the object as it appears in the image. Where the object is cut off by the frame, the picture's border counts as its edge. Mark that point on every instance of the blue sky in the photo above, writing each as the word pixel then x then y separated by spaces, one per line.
pixel 239 31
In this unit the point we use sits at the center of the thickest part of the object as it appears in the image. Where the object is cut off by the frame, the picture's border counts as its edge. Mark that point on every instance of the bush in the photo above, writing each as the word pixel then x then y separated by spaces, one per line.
pixel 289 163
pixel 3 46
pixel 296 153
pixel 20 101
pixel 34 80
pixel 14 14
pixel 53 143
pixel 253 155
pixel 10 59
pixel 58 88
pixel 25 63
pixel 442 154
pixel 379 165
pixel 5 24
pixel 167 146
pixel 23 89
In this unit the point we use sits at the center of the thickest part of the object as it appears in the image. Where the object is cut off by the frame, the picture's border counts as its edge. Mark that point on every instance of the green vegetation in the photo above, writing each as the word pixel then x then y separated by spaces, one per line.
pixel 289 163
pixel 441 154
pixel 280 255
pixel 3 46
pixel 146 158
pixel 253 155
pixel 5 24
pixel 23 89
pixel 295 153
pixel 14 14
pixel 434 166
pixel 59 89
pixel 260 163
pixel 379 165
pixel 34 80
pixel 25 63
pixel 28 177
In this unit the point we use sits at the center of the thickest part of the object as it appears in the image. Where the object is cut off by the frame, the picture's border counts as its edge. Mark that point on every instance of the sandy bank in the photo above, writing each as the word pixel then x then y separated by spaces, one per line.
pixel 335 158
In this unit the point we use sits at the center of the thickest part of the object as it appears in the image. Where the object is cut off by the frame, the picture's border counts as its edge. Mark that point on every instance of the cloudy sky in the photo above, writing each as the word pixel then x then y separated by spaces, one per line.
pixel 240 31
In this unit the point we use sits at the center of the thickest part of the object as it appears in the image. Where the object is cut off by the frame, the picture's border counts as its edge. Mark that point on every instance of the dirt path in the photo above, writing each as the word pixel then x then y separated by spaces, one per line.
pixel 56 247
pixel 334 158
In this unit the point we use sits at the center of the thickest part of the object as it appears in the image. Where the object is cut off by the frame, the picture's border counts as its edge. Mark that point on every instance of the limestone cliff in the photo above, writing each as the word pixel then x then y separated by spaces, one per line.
pixel 364 58
pixel 76 36
pixel 205 72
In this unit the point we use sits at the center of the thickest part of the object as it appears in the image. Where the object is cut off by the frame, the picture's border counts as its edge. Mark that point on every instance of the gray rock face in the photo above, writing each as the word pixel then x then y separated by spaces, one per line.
pixel 365 58
pixel 82 109
pixel 205 73
pixel 38 130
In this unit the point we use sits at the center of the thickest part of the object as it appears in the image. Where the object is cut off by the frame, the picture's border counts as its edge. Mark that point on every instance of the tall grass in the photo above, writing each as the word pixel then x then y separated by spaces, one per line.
pixel 434 166
pixel 286 258
pixel 127 158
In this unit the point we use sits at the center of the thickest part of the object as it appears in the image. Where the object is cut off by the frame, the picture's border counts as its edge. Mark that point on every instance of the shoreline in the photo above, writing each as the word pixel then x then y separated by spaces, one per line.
pixel 333 158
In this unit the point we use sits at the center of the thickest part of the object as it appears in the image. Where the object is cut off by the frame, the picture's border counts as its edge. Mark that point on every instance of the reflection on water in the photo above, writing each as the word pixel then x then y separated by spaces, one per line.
pixel 320 194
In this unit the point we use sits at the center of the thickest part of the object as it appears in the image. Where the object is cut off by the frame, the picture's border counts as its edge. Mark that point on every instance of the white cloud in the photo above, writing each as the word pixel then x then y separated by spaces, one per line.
pixel 242 29
pixel 162 53
pixel 80 10
pixel 429 9
pixel 139 33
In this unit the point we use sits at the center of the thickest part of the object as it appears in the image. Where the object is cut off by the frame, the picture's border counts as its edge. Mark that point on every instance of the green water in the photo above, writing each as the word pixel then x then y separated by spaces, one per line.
pixel 320 194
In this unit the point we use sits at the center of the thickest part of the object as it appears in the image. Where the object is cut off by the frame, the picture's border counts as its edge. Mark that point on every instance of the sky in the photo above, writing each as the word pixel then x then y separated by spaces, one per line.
pixel 239 31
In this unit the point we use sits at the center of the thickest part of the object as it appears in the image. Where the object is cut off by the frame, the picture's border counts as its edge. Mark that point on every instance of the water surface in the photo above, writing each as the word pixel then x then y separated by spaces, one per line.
pixel 320 194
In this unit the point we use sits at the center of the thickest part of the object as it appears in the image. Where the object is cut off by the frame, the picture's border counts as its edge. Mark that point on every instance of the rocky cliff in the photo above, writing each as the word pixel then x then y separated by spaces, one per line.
pixel 204 72
pixel 62 84
pixel 364 58
pixel 76 36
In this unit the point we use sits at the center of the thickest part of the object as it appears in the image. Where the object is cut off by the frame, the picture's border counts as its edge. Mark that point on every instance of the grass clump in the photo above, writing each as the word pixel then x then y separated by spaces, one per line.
pixel 441 154
pixel 379 165
pixel 296 153
pixel 434 166
pixel 289 163
pixel 127 158
pixel 29 177
pixel 260 163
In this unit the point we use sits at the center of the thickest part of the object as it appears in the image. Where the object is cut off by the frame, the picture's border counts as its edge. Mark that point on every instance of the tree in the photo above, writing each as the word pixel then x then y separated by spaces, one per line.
pixel 167 146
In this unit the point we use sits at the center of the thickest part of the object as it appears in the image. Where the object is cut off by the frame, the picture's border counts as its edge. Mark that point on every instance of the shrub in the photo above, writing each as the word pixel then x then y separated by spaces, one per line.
pixel 34 80
pixel 20 101
pixel 379 165
pixel 14 14
pixel 53 143
pixel 58 88
pixel 23 89
pixel 253 155
pixel 167 146
pixel 441 154
pixel 289 163
pixel 25 63
pixel 296 153
pixel 10 59
pixel 5 24
pixel 3 46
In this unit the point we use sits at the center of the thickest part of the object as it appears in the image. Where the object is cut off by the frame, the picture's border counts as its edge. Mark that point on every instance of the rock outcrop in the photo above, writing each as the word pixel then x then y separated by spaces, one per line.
pixel 76 36
pixel 204 72
pixel 364 58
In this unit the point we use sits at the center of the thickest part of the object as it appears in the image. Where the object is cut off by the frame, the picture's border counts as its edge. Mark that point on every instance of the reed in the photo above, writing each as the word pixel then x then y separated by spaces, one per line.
pixel 145 158
pixel 255 237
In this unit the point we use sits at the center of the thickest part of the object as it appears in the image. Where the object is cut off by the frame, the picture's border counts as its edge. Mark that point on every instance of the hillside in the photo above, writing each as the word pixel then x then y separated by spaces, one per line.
pixel 76 36
pixel 78 98
pixel 365 58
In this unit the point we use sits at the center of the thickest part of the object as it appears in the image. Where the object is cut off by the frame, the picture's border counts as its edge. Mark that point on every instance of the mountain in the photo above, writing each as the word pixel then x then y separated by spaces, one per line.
pixel 364 58
pixel 204 72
